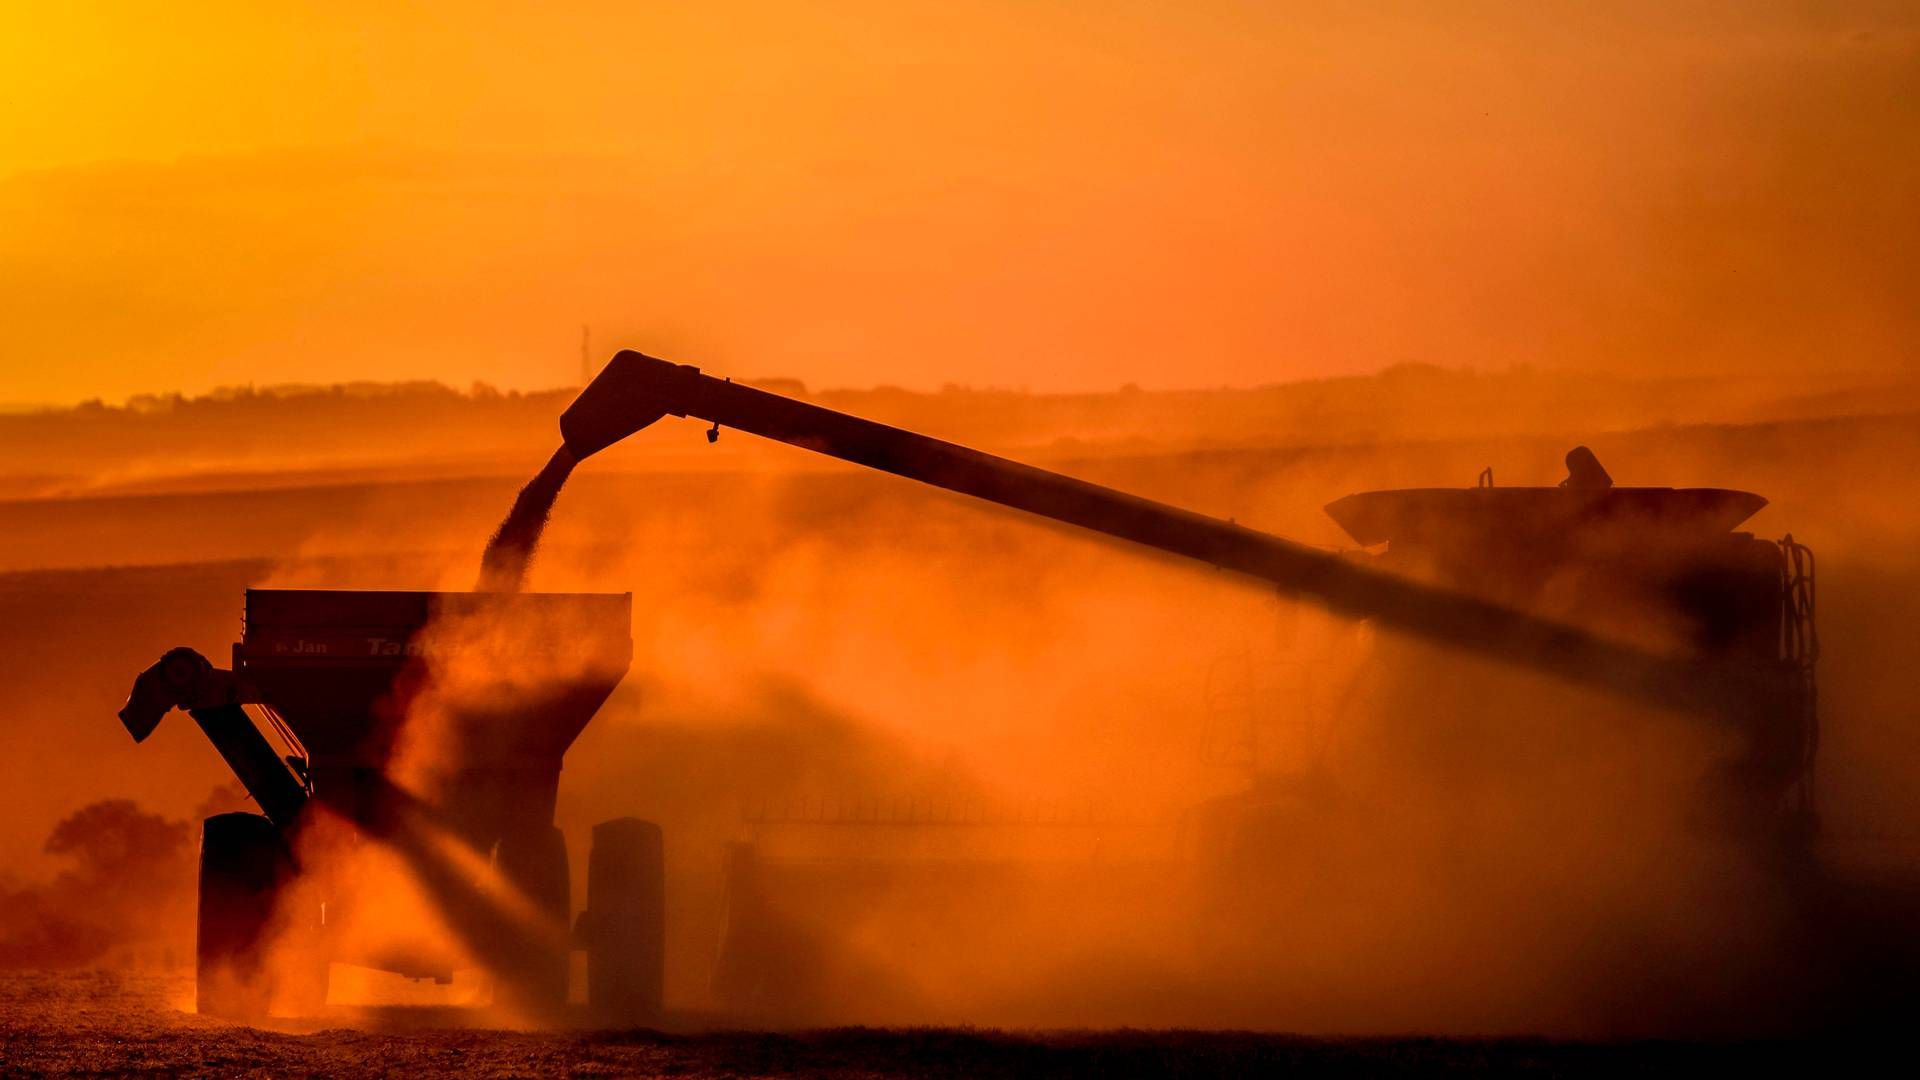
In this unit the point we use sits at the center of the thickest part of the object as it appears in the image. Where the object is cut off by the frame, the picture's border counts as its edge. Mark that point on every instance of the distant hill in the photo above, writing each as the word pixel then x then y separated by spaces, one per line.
pixel 250 438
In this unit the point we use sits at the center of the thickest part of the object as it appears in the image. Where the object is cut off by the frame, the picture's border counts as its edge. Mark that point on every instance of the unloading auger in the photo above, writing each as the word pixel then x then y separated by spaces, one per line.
pixel 1750 611
pixel 1645 594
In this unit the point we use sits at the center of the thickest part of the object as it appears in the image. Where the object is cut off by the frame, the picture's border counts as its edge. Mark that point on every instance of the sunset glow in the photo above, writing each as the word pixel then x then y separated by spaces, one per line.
pixel 958 537
pixel 1050 195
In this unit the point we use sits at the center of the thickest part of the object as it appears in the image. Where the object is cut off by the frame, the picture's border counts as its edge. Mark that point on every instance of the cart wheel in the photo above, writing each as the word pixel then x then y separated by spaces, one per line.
pixel 536 864
pixel 242 863
pixel 624 927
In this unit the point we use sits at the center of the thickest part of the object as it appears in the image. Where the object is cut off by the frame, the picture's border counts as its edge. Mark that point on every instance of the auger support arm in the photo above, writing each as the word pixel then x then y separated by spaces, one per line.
pixel 183 679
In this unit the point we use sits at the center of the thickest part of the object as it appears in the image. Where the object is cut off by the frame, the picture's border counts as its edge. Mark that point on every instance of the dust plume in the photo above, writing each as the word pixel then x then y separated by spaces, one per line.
pixel 986 771
pixel 1398 839
pixel 438 868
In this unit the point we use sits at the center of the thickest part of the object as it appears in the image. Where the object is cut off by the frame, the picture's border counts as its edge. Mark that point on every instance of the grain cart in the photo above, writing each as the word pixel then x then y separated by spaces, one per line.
pixel 431 726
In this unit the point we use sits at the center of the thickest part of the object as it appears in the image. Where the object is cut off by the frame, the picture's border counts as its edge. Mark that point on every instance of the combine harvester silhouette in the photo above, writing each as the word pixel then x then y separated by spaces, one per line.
pixel 1462 568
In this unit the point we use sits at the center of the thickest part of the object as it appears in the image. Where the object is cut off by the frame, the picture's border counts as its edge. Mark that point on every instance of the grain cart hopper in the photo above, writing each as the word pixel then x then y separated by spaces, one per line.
pixel 431 726
pixel 1550 580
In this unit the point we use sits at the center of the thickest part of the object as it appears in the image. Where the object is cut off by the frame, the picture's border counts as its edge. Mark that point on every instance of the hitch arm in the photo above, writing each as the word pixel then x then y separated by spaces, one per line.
pixel 183 679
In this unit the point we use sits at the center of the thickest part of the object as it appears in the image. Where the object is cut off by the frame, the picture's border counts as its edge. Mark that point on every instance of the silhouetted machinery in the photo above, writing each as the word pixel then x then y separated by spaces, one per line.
pixel 1645 594
pixel 1555 581
pixel 494 688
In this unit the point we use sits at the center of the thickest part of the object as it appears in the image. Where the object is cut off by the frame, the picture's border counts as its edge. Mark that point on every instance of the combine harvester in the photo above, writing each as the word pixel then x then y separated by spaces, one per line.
pixel 1464 569
pixel 1557 581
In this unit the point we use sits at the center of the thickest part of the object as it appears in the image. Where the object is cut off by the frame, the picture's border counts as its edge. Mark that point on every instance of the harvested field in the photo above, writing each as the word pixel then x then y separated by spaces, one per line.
pixel 110 1024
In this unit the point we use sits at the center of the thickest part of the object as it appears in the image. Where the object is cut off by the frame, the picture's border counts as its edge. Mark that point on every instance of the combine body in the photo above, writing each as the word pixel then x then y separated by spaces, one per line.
pixel 433 727
pixel 1660 569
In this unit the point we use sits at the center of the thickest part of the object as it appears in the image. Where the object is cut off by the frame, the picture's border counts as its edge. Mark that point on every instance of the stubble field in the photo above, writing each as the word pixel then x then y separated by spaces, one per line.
pixel 107 1023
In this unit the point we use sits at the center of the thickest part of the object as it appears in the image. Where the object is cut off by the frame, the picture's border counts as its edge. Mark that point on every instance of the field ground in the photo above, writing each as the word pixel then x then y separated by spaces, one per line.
pixel 106 1023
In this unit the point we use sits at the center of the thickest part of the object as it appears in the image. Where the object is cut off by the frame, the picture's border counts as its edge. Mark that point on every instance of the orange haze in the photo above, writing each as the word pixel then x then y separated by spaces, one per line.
pixel 1054 195
pixel 1182 238
pixel 811 638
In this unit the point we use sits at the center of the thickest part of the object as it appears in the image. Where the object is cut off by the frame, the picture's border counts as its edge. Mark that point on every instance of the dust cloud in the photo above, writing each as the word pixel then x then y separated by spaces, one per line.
pixel 1414 841
pixel 423 877
pixel 920 761
pixel 1368 849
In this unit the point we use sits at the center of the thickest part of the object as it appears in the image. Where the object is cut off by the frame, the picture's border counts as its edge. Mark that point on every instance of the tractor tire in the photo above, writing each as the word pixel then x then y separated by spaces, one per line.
pixel 243 861
pixel 624 927
pixel 538 967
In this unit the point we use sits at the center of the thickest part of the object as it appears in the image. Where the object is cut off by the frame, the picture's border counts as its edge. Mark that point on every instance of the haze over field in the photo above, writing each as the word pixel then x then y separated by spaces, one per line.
pixel 808 632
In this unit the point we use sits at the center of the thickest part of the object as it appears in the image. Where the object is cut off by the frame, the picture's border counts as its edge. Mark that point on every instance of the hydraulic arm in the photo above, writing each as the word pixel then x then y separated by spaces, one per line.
pixel 186 680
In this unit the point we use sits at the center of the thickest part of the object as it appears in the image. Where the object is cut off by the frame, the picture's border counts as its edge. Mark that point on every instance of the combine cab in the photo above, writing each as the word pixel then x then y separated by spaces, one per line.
pixel 427 729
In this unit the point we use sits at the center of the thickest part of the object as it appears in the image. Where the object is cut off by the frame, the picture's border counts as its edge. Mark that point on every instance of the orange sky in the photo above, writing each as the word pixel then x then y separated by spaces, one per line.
pixel 1046 194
